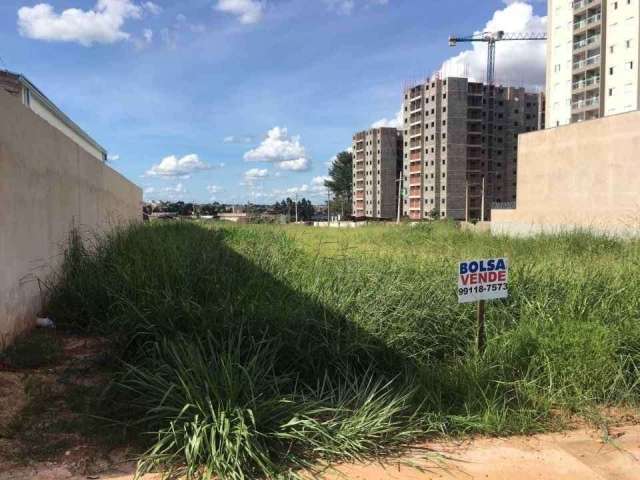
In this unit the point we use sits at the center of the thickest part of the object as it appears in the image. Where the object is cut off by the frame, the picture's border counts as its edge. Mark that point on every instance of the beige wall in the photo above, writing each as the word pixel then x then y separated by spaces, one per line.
pixel 583 175
pixel 47 185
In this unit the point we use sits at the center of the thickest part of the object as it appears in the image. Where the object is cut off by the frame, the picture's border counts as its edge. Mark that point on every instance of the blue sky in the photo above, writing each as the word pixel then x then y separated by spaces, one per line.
pixel 246 100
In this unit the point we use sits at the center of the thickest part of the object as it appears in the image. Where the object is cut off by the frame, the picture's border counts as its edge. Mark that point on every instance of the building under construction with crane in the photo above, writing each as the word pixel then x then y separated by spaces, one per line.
pixel 461 146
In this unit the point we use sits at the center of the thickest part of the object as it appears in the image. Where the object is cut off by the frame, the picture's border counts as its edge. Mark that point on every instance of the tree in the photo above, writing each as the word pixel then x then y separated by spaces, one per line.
pixel 340 181
pixel 288 207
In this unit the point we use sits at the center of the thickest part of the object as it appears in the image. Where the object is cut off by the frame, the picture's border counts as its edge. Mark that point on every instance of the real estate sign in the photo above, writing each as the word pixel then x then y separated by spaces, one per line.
pixel 485 279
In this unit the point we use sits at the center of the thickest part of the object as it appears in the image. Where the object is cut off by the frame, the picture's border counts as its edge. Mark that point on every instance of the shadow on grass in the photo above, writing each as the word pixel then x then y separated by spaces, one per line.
pixel 234 371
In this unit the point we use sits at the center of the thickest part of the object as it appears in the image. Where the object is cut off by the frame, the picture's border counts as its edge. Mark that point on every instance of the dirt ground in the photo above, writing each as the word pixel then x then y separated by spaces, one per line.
pixel 579 455
pixel 47 433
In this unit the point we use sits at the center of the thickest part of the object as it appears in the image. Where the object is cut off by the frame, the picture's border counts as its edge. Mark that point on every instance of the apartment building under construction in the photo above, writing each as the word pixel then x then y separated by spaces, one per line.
pixel 461 146
pixel 377 159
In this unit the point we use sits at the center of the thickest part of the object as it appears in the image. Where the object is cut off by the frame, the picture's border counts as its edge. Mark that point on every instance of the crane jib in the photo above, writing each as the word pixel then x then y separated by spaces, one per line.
pixel 490 38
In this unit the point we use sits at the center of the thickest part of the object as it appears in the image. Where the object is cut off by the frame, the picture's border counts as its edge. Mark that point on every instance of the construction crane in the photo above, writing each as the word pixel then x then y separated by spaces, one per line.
pixel 491 38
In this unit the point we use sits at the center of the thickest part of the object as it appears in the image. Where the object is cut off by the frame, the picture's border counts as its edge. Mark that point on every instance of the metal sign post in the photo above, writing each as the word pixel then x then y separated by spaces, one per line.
pixel 479 281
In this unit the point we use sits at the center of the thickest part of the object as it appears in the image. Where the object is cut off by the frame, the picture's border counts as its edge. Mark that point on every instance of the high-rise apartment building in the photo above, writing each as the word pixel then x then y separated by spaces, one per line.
pixel 377 158
pixel 592 59
pixel 459 135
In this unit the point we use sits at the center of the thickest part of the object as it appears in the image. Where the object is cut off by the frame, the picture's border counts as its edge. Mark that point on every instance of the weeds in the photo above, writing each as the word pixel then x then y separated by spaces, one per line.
pixel 257 351
pixel 39 348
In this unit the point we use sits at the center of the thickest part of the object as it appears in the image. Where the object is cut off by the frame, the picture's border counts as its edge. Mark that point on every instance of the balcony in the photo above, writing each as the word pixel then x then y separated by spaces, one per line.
pixel 593 40
pixel 474 140
pixel 587 22
pixel 580 5
pixel 587 63
pixel 415 168
pixel 474 153
pixel 415 156
pixel 416 107
pixel 586 103
pixel 415 119
pixel 415 204
pixel 587 83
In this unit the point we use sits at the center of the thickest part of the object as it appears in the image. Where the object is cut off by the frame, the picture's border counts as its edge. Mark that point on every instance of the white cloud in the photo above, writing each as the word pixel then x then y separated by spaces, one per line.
pixel 279 148
pixel 343 7
pixel 297 165
pixel 256 173
pixel 174 167
pixel 113 158
pixel 152 8
pixel 314 188
pixel 242 139
pixel 254 177
pixel 103 24
pixel 331 161
pixel 145 40
pixel 320 181
pixel 247 11
pixel 517 62
pixel 213 189
pixel 346 7
pixel 171 192
pixel 395 122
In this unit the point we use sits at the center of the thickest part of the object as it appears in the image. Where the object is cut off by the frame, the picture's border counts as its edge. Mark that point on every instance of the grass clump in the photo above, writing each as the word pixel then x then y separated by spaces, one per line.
pixel 36 349
pixel 253 352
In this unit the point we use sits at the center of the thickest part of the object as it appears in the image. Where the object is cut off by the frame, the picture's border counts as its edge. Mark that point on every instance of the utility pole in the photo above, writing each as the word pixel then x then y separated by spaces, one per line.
pixel 466 201
pixel 399 197
pixel 296 208
pixel 482 211
pixel 328 208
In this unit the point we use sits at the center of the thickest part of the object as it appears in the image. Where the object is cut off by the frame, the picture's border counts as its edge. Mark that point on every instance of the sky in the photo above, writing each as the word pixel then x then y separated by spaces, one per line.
pixel 249 100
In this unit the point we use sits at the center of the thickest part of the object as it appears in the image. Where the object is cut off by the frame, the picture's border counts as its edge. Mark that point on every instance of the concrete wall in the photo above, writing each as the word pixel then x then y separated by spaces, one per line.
pixel 48 184
pixel 583 176
pixel 43 111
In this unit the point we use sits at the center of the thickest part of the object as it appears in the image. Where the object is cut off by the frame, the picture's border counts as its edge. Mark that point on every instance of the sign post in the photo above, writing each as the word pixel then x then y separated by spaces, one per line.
pixel 479 281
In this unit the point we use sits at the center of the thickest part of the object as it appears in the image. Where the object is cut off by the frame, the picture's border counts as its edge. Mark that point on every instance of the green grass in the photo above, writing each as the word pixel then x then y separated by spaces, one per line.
pixel 254 351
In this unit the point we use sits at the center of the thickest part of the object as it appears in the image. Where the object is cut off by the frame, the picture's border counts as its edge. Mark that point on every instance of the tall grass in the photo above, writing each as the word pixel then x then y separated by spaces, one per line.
pixel 256 351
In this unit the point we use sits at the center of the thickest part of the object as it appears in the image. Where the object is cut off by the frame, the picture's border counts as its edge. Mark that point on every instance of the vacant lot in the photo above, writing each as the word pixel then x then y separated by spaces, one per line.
pixel 257 351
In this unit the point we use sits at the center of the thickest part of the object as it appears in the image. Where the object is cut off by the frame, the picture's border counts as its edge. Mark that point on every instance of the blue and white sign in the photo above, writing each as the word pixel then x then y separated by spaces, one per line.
pixel 486 279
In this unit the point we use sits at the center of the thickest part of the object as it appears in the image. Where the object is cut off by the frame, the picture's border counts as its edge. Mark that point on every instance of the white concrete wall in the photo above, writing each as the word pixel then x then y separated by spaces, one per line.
pixel 623 26
pixel 559 62
pixel 580 176
pixel 43 111
pixel 48 184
